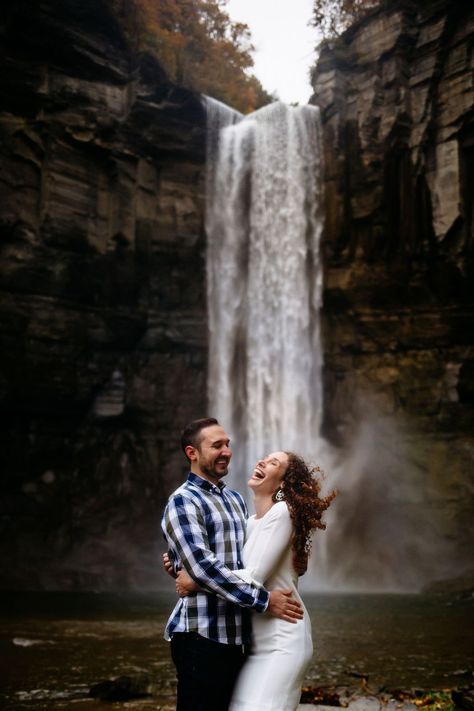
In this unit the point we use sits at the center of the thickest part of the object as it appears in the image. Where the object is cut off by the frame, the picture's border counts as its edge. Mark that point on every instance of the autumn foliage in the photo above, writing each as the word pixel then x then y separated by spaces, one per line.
pixel 198 45
pixel 331 17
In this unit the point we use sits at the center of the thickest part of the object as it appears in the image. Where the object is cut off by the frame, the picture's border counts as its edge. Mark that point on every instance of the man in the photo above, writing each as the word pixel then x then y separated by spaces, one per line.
pixel 204 525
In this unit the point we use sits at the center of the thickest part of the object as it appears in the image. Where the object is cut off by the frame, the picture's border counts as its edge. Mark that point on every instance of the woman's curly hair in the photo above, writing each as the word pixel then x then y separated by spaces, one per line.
pixel 301 486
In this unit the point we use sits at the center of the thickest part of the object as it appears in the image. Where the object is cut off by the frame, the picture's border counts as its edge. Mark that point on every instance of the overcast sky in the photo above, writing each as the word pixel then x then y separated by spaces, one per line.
pixel 284 44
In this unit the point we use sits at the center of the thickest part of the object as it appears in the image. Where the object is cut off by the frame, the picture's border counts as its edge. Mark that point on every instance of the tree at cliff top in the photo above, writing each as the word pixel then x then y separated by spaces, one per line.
pixel 198 45
pixel 331 17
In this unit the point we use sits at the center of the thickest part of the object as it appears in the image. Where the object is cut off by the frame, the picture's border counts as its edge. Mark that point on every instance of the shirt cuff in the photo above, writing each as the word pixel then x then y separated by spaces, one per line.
pixel 262 600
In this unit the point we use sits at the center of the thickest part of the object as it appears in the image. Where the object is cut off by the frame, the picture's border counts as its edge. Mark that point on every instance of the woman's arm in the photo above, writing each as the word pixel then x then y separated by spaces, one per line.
pixel 274 537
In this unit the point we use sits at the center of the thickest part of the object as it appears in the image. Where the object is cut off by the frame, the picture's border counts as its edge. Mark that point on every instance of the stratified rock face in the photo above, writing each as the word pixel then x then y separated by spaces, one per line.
pixel 102 300
pixel 397 105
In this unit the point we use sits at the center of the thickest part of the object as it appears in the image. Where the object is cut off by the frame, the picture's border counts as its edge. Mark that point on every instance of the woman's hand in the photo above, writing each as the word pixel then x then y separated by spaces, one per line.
pixel 185 585
pixel 168 565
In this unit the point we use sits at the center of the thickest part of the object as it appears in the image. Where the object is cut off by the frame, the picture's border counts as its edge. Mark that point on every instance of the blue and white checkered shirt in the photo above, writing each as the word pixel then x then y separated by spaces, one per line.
pixel 204 526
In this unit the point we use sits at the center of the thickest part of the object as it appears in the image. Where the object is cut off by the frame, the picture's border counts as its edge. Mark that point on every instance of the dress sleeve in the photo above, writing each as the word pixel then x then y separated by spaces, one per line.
pixel 186 535
pixel 273 538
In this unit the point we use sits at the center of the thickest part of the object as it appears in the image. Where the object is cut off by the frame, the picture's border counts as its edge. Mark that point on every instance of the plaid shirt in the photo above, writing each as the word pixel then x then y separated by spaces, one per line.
pixel 204 526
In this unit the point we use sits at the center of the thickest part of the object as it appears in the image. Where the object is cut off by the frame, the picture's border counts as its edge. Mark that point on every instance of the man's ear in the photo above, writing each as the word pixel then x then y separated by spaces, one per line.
pixel 191 452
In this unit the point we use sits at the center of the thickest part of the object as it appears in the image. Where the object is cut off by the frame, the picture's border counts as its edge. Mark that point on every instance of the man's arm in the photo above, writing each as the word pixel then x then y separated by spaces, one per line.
pixel 280 603
pixel 185 531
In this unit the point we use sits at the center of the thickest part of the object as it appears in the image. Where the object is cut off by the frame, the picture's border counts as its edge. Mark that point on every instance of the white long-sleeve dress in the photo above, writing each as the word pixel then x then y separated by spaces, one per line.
pixel 271 677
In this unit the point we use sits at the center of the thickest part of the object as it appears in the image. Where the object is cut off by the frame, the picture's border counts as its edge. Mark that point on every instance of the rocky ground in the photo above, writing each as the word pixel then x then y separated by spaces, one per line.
pixel 324 698
pixel 366 700
pixel 354 700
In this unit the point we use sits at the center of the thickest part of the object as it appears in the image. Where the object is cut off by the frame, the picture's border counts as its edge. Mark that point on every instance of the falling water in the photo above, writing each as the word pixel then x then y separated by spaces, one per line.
pixel 264 279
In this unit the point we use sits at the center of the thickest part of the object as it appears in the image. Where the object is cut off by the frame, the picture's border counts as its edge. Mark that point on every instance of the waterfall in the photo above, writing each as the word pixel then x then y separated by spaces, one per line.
pixel 264 280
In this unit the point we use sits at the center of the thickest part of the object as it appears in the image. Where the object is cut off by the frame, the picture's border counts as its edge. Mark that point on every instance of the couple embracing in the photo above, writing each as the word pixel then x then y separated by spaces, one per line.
pixel 240 634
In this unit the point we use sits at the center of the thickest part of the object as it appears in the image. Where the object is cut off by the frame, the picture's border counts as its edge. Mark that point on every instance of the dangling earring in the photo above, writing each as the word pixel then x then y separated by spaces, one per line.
pixel 279 495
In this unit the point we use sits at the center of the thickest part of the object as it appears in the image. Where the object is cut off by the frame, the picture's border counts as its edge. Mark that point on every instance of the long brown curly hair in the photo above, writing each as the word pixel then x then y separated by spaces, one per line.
pixel 301 487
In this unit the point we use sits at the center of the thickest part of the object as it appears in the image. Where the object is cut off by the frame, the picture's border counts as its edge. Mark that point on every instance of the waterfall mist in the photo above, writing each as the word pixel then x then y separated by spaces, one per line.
pixel 264 280
pixel 382 533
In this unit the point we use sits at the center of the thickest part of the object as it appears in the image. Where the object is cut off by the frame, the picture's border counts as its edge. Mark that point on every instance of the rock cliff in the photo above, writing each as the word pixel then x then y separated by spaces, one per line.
pixel 396 98
pixel 102 297
pixel 102 292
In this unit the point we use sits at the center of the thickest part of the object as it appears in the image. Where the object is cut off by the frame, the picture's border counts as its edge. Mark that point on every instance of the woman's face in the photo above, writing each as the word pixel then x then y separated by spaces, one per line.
pixel 268 473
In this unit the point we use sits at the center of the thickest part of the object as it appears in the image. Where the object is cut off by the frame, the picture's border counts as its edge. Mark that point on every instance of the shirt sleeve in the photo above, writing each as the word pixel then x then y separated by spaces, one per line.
pixel 274 537
pixel 185 531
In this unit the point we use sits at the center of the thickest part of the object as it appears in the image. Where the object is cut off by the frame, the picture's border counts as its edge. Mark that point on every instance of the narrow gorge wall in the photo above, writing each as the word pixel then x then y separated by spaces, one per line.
pixel 102 301
pixel 395 92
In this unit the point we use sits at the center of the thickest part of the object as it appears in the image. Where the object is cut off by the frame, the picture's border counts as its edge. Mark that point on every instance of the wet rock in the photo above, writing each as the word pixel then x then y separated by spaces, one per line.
pixel 366 703
pixel 102 305
pixel 462 585
pixel 464 698
pixel 396 97
pixel 124 688
pixel 110 402
pixel 319 696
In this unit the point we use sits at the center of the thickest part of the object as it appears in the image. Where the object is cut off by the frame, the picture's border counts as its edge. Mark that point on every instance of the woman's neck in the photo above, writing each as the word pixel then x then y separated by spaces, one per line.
pixel 262 504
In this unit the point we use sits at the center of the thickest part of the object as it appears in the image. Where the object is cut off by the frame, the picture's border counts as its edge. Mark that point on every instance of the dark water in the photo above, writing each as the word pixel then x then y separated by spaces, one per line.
pixel 54 646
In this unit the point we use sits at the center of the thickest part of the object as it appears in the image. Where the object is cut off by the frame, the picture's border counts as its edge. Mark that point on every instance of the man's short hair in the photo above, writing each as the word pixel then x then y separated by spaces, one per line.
pixel 192 432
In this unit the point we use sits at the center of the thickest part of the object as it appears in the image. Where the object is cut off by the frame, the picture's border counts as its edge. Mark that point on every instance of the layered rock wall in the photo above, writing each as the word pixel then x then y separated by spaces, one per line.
pixel 102 292
pixel 396 97
pixel 102 299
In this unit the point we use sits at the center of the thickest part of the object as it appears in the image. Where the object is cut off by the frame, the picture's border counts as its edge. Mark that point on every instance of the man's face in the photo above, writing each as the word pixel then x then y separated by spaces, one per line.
pixel 213 455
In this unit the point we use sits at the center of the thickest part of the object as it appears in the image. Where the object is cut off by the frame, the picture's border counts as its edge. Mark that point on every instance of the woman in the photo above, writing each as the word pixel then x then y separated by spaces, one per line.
pixel 288 508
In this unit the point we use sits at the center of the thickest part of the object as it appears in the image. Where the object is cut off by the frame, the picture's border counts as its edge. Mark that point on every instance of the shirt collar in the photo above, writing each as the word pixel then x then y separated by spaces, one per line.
pixel 206 485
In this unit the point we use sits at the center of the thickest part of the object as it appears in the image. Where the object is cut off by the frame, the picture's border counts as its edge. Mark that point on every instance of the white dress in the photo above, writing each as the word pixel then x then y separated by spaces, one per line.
pixel 271 677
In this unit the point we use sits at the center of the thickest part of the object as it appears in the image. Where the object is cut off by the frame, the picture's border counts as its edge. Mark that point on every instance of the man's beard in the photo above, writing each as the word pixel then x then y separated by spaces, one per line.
pixel 210 471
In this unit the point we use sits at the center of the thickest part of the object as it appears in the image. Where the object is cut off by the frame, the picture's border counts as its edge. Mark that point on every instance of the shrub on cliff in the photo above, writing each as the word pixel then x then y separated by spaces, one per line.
pixel 198 45
pixel 331 17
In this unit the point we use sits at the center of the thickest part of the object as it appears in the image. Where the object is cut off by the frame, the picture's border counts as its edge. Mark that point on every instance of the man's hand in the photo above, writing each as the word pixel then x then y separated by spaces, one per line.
pixel 185 585
pixel 284 606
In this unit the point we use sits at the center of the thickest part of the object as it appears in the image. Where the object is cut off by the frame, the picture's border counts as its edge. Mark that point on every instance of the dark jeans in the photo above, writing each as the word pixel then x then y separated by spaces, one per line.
pixel 206 671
